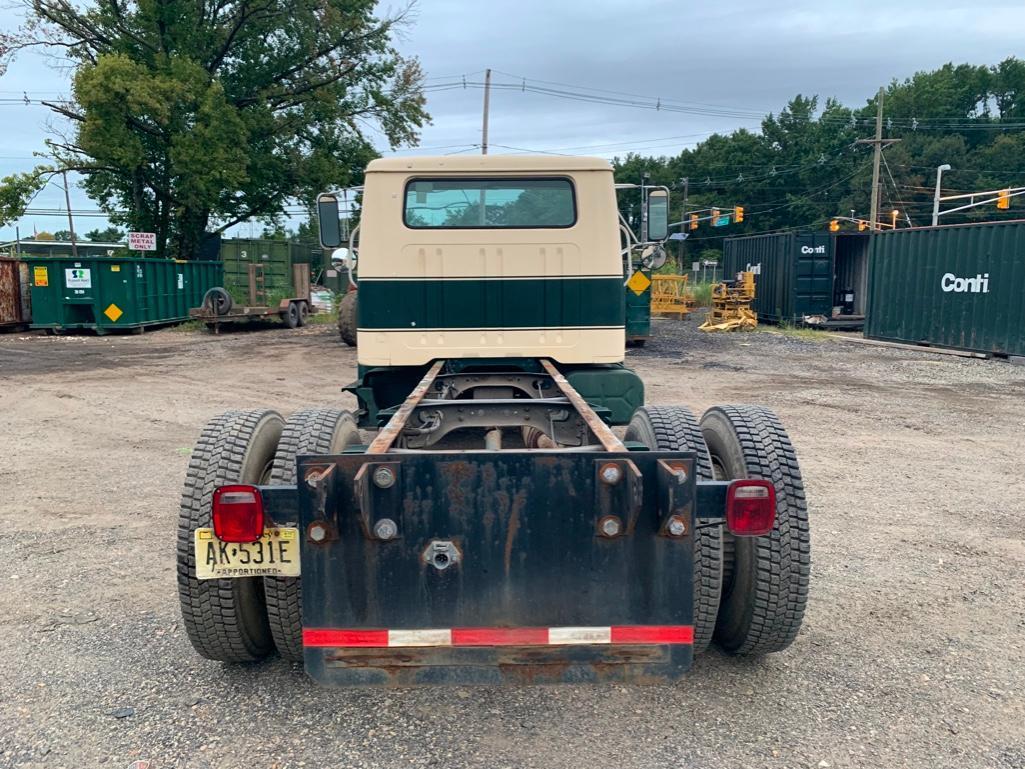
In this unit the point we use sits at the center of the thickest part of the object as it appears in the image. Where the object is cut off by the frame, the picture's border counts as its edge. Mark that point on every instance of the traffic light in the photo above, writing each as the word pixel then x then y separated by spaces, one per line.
pixel 715 214
pixel 738 214
pixel 862 225
pixel 693 221
pixel 1004 199
pixel 834 225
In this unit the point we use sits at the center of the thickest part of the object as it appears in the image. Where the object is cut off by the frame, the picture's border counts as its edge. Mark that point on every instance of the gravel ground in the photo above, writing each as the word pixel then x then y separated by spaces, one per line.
pixel 911 654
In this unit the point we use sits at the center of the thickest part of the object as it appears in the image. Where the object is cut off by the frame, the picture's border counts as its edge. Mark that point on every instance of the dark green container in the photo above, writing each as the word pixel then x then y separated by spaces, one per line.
pixel 273 259
pixel 960 286
pixel 800 274
pixel 106 294
pixel 638 315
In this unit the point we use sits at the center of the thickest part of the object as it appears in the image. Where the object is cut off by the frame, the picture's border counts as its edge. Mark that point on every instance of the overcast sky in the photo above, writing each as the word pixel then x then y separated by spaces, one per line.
pixel 742 57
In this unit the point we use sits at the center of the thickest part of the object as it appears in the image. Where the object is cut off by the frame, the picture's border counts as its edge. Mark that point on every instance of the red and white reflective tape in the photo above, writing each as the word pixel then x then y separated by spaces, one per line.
pixel 493 636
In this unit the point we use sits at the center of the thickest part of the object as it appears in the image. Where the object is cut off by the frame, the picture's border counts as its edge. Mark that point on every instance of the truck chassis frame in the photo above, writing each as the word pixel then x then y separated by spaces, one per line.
pixel 456 553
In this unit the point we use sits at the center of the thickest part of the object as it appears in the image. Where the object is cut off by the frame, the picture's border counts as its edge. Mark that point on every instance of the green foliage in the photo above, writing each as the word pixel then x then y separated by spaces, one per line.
pixel 106 235
pixel 702 293
pixel 17 190
pixel 198 114
pixel 803 167
pixel 533 207
pixel 797 332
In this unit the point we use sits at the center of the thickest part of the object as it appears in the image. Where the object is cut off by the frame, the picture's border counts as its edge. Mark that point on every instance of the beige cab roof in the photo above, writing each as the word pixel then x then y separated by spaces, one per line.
pixel 486 163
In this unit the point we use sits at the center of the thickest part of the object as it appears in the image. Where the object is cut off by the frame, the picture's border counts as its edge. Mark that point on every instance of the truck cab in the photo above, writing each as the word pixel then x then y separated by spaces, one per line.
pixel 490 256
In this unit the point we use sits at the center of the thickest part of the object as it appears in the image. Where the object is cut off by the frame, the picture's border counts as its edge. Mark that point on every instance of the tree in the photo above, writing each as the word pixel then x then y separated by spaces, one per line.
pixel 803 168
pixel 107 235
pixel 196 114
pixel 62 235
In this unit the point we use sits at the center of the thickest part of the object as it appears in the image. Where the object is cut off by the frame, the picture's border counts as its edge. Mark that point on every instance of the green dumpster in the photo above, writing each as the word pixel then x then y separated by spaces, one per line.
pixel 105 293
pixel 638 307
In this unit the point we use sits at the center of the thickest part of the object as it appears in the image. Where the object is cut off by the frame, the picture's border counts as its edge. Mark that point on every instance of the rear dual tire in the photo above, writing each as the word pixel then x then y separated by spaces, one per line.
pixel 765 586
pixel 225 619
pixel 242 620
pixel 750 593
pixel 310 431
pixel 674 428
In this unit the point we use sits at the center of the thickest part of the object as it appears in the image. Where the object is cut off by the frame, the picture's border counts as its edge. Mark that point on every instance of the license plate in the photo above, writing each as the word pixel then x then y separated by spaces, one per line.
pixel 276 554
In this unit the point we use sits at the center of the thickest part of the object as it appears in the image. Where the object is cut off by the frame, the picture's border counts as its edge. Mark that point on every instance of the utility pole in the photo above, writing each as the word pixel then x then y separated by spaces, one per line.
pixel 876 157
pixel 71 221
pixel 879 142
pixel 645 178
pixel 682 254
pixel 487 104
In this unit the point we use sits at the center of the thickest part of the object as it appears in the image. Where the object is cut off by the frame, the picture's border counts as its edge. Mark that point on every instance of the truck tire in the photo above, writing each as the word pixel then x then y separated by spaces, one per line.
pixel 310 431
pixel 766 591
pixel 674 428
pixel 225 618
pixel 304 313
pixel 347 318
pixel 291 315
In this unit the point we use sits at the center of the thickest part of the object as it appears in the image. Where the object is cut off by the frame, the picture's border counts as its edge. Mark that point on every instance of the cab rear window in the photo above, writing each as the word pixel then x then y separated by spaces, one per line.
pixel 498 203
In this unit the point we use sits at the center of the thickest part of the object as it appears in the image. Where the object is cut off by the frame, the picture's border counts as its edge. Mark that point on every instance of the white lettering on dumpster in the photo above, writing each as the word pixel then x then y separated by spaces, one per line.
pixel 813 249
pixel 977 285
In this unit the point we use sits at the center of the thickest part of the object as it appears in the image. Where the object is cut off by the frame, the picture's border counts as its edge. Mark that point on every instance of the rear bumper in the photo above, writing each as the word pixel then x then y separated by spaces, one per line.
pixel 468 665
pixel 500 566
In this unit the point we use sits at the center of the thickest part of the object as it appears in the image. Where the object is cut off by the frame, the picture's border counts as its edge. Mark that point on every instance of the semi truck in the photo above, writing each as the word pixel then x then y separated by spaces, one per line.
pixel 502 505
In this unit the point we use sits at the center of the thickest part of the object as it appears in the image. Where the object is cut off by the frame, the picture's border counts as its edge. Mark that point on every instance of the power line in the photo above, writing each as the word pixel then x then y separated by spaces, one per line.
pixel 620 93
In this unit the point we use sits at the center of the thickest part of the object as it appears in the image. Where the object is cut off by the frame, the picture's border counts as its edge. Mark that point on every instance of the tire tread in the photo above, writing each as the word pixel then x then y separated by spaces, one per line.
pixel 210 608
pixel 674 428
pixel 309 431
pixel 782 559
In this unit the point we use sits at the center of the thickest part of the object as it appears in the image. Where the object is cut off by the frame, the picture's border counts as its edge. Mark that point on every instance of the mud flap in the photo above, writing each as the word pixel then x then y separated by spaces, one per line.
pixel 485 567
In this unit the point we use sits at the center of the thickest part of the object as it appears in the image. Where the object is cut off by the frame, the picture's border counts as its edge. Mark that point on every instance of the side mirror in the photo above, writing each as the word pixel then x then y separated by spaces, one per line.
pixel 329 221
pixel 658 215
pixel 654 257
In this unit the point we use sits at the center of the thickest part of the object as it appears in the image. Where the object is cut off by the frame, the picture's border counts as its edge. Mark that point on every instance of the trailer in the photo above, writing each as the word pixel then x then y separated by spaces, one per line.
pixel 489 524
pixel 220 308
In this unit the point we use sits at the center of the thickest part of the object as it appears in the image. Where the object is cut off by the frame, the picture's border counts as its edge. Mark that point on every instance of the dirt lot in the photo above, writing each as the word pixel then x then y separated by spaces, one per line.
pixel 913 652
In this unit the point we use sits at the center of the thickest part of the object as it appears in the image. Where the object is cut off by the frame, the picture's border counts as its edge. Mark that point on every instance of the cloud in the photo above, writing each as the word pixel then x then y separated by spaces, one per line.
pixel 749 55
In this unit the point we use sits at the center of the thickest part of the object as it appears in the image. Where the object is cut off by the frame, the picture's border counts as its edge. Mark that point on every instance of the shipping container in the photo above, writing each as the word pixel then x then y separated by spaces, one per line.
pixel 271 265
pixel 105 294
pixel 959 286
pixel 802 275
pixel 14 300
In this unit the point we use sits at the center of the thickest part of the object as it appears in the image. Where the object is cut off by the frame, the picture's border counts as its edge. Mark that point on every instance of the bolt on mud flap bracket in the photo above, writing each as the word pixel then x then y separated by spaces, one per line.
pixel 675 497
pixel 380 499
pixel 320 480
pixel 618 496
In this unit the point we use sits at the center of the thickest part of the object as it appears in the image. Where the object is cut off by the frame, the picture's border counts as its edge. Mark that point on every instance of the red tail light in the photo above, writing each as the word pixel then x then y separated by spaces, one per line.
pixel 750 508
pixel 238 514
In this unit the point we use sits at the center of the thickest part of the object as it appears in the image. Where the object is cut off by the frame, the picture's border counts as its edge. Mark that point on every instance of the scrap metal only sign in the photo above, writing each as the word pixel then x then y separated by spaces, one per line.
pixel 142 241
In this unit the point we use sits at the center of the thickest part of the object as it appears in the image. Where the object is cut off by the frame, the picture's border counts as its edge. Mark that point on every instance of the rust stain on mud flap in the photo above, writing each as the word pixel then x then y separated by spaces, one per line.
pixel 450 540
